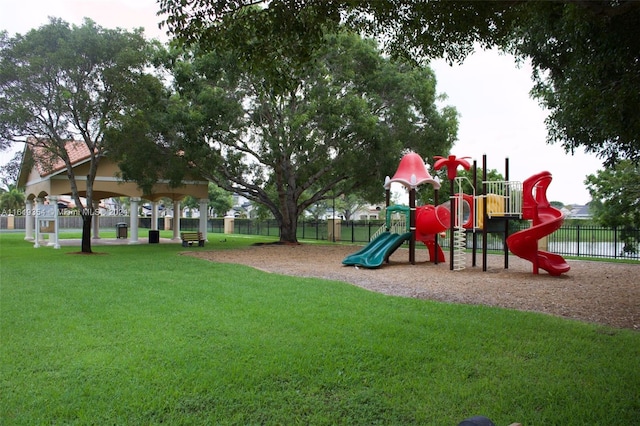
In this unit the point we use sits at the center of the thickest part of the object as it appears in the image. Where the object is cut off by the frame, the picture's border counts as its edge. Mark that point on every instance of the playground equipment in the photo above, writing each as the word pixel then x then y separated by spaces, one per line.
pixel 384 242
pixel 499 202
pixel 545 220
pixel 430 221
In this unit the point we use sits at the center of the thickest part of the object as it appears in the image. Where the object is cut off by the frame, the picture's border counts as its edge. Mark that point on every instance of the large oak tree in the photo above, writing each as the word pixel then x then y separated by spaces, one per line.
pixel 337 124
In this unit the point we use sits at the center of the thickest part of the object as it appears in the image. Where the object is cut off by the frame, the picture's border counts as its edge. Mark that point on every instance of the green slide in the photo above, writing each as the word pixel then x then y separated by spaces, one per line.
pixel 374 253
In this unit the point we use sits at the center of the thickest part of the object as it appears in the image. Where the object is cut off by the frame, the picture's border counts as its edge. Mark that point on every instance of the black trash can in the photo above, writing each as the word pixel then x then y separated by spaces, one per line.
pixel 121 230
pixel 154 237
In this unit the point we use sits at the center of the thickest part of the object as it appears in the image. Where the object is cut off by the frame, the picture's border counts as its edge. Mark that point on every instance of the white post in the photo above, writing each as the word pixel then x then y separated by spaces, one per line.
pixel 29 216
pixel 133 204
pixel 154 215
pixel 176 220
pixel 95 220
pixel 204 202
pixel 38 239
pixel 53 202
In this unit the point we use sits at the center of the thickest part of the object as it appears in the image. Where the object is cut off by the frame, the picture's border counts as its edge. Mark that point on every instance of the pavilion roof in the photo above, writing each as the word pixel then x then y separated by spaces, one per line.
pixel 47 163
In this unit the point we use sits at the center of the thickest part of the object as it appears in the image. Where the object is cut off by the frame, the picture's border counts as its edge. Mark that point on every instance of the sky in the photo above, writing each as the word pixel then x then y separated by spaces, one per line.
pixel 491 93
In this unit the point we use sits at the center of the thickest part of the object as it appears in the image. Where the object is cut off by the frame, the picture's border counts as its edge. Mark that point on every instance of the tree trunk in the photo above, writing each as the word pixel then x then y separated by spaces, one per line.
pixel 289 229
pixel 86 233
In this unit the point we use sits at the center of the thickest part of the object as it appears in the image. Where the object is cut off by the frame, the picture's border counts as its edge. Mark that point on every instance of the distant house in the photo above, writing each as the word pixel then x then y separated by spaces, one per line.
pixel 242 207
pixel 579 212
pixel 368 212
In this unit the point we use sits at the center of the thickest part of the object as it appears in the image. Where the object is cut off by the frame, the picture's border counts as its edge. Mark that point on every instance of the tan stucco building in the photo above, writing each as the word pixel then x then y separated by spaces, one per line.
pixel 45 179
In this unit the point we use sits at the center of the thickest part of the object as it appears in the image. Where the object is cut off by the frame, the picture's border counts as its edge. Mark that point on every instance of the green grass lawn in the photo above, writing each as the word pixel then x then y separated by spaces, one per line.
pixel 142 335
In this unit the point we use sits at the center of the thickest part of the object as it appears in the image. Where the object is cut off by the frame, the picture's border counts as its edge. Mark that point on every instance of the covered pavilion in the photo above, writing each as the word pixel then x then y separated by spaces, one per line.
pixel 44 180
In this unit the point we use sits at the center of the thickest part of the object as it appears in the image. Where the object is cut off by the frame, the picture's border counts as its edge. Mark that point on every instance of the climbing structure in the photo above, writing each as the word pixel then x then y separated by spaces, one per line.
pixel 499 202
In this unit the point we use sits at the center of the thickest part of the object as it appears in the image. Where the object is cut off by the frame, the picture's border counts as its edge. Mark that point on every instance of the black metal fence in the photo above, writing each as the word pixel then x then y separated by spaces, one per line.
pixel 595 241
pixel 570 240
pixel 576 240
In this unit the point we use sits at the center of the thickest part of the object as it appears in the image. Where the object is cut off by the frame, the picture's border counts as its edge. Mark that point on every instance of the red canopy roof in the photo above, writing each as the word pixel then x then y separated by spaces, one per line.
pixel 412 172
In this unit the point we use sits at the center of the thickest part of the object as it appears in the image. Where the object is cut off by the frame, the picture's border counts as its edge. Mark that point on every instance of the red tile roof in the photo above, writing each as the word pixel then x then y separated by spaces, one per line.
pixel 48 163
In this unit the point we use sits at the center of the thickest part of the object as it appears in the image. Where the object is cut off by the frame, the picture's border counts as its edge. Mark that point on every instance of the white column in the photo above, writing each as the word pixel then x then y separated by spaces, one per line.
pixel 38 239
pixel 53 240
pixel 133 205
pixel 204 203
pixel 95 220
pixel 29 216
pixel 176 220
pixel 154 215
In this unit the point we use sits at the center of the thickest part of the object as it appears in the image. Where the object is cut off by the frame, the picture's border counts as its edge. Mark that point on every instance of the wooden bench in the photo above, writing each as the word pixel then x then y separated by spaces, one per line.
pixel 188 238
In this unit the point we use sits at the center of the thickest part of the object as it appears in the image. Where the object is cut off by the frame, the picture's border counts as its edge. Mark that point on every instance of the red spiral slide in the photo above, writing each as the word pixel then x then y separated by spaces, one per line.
pixel 546 220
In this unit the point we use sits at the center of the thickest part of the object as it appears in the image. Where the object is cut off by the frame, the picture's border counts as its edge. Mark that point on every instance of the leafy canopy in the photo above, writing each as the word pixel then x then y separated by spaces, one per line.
pixel 585 54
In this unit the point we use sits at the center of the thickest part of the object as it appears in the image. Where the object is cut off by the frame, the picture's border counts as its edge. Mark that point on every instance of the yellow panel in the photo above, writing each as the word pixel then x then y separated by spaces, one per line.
pixel 495 207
